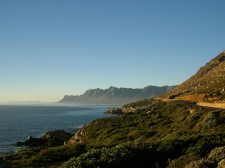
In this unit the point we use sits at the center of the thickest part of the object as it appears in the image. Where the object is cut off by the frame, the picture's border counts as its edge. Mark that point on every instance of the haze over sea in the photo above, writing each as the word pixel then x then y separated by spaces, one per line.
pixel 17 122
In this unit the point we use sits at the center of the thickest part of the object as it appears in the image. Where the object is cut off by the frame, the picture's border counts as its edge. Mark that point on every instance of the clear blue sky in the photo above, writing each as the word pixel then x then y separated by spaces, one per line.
pixel 49 48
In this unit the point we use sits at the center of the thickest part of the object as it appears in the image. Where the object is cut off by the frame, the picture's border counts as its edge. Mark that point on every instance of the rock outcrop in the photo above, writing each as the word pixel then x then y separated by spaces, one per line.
pixel 122 110
pixel 49 139
pixel 77 137
pixel 114 110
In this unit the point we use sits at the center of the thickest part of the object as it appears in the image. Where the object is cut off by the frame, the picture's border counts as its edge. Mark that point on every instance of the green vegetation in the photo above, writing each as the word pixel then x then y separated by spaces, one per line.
pixel 36 157
pixel 157 134
pixel 156 122
pixel 150 133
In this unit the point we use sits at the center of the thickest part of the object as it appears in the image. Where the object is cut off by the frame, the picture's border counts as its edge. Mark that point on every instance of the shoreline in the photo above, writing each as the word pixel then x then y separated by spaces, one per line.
pixel 67 118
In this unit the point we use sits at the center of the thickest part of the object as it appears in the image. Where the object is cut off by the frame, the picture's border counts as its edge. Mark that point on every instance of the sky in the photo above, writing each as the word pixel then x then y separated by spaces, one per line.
pixel 52 48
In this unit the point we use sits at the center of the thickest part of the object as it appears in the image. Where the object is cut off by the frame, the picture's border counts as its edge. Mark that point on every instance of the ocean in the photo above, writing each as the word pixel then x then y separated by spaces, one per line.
pixel 17 122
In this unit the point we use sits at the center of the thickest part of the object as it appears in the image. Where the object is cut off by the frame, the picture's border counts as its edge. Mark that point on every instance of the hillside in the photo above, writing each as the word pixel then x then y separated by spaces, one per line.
pixel 207 85
pixel 175 134
pixel 114 95
pixel 171 130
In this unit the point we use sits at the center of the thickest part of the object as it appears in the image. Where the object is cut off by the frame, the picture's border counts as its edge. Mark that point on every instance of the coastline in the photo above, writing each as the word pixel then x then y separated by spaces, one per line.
pixel 37 120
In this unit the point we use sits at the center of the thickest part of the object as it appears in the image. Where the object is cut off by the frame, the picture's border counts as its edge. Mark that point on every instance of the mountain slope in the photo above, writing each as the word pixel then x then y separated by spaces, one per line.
pixel 150 133
pixel 207 85
pixel 114 95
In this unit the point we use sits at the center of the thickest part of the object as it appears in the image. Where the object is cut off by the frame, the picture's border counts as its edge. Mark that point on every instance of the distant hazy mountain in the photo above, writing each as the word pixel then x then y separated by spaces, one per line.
pixel 114 95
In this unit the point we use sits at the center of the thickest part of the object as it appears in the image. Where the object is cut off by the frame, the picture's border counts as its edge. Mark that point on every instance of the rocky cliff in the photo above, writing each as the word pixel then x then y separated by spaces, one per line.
pixel 114 95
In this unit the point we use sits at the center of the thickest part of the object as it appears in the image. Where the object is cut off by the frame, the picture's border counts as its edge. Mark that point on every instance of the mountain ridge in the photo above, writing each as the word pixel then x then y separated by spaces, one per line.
pixel 170 130
pixel 114 95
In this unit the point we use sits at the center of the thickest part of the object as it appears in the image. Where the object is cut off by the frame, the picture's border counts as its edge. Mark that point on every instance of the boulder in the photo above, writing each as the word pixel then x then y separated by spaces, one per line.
pixel 49 139
pixel 217 154
pixel 56 137
pixel 77 137
pixel 31 142
pixel 114 110
pixel 188 162
pixel 221 164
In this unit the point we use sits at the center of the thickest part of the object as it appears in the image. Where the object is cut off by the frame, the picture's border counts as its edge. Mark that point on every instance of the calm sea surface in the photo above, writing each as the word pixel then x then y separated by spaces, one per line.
pixel 17 122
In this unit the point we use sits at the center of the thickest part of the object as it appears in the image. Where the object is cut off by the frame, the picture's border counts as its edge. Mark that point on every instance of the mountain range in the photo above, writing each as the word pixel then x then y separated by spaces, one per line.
pixel 183 128
pixel 114 95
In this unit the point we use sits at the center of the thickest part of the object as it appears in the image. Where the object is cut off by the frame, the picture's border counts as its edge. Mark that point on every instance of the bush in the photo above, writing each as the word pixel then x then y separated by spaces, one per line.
pixel 117 156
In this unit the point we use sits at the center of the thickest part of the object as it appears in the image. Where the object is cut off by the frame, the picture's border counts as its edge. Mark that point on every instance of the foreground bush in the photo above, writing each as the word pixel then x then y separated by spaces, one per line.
pixel 36 157
pixel 117 156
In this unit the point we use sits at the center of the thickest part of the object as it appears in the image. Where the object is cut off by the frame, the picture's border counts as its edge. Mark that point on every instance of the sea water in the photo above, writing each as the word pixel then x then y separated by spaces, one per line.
pixel 17 122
